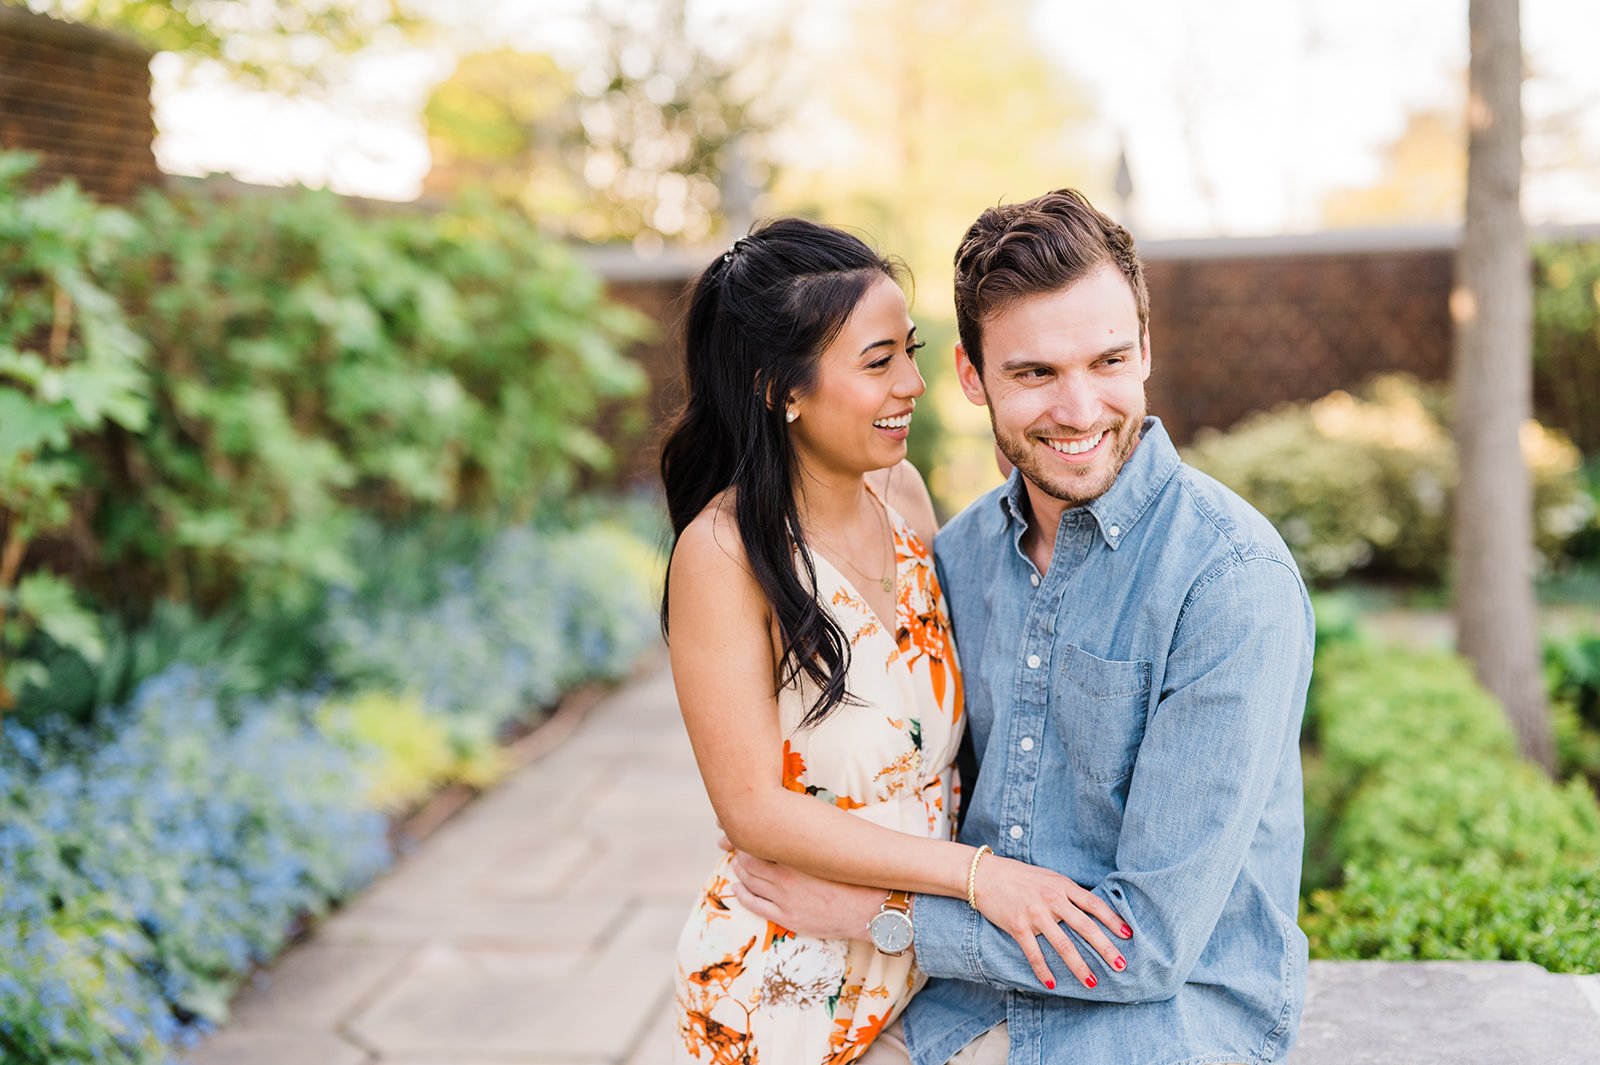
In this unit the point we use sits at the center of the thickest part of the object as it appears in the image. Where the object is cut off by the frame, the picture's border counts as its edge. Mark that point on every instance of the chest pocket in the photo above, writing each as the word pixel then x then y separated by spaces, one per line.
pixel 1100 709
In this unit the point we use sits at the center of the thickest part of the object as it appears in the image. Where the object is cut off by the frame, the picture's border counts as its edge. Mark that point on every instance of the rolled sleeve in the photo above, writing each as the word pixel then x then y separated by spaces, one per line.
pixel 947 931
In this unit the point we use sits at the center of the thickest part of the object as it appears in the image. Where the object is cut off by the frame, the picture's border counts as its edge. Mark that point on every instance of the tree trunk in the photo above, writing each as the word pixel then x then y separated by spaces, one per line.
pixel 1496 617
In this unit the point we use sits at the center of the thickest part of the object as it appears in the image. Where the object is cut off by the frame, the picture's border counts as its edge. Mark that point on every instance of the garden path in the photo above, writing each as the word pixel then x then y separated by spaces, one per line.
pixel 537 928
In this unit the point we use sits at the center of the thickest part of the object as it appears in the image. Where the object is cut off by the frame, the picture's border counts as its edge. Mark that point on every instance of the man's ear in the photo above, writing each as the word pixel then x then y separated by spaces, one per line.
pixel 1144 355
pixel 971 380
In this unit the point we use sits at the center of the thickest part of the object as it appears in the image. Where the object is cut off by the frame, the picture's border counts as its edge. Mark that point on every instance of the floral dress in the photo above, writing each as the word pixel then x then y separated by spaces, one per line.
pixel 749 991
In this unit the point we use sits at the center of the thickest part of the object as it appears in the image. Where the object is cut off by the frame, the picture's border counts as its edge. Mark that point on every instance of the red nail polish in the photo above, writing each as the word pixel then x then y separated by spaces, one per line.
pixel 1127 931
pixel 1119 964
pixel 1090 981
pixel 1051 984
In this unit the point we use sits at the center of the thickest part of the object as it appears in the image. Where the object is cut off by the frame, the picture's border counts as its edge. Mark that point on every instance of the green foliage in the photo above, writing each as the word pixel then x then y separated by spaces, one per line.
pixel 1364 482
pixel 1478 910
pixel 244 654
pixel 1566 340
pixel 405 753
pixel 1427 837
pixel 306 359
pixel 1572 677
pixel 287 45
pixel 69 367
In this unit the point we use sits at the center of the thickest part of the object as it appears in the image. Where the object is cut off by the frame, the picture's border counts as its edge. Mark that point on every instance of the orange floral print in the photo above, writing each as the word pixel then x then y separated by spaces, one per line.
pixel 751 992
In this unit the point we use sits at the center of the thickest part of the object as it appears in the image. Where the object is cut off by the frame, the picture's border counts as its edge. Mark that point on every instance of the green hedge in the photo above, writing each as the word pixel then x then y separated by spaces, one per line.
pixel 198 396
pixel 1363 482
pixel 1566 341
pixel 1428 837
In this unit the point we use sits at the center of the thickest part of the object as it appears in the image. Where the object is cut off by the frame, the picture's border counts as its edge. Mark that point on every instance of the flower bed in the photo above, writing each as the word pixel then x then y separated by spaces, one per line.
pixel 150 860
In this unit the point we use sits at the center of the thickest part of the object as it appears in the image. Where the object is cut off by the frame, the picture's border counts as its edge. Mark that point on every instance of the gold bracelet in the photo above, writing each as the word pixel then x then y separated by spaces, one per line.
pixel 972 875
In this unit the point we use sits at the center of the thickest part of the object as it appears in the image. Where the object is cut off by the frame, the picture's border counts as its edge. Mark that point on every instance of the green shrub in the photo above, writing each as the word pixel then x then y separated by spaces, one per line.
pixel 1479 909
pixel 1427 836
pixel 70 366
pixel 1572 677
pixel 306 360
pixel 405 753
pixel 1566 340
pixel 1364 482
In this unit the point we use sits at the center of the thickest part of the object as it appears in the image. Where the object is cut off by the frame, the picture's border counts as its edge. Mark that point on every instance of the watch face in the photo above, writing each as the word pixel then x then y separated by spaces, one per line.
pixel 891 931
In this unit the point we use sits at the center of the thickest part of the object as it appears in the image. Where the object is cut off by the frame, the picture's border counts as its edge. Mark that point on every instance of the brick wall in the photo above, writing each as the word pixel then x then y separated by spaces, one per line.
pixel 658 289
pixel 80 98
pixel 1237 325
pixel 1241 326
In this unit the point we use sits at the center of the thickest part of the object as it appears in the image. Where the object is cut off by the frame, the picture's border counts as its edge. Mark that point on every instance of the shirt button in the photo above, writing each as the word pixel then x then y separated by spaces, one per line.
pixel 1114 531
pixel 1027 743
pixel 1033 579
pixel 1016 832
pixel 1033 661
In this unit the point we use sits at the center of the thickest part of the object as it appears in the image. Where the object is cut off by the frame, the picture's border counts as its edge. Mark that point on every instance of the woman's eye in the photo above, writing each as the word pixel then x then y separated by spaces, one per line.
pixel 914 348
pixel 880 364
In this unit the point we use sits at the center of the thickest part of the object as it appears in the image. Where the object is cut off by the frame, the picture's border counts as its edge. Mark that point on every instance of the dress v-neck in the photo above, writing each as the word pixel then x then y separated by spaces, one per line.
pixel 897 529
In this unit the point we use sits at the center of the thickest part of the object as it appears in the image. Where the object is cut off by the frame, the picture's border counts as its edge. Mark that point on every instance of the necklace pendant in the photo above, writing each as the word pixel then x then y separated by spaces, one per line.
pixel 888 584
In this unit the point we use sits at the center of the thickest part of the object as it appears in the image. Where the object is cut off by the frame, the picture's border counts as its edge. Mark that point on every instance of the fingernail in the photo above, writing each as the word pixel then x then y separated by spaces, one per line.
pixel 1119 964
pixel 1126 931
pixel 1090 981
pixel 1051 984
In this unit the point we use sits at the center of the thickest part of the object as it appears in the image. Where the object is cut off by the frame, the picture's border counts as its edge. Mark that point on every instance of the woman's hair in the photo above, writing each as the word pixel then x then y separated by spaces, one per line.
pixel 759 318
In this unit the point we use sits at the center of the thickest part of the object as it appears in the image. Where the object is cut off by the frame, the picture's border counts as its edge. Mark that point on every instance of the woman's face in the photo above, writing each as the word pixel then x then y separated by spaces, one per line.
pixel 857 416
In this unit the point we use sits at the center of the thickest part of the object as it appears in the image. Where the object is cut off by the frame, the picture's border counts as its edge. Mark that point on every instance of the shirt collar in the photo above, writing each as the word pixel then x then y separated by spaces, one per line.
pixel 1140 480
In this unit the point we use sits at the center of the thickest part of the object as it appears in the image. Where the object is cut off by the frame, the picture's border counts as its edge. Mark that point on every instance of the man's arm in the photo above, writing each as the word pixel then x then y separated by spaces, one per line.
pixel 1234 692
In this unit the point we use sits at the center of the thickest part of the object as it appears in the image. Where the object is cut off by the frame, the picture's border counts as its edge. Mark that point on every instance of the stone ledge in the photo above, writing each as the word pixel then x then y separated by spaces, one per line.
pixel 1447 1013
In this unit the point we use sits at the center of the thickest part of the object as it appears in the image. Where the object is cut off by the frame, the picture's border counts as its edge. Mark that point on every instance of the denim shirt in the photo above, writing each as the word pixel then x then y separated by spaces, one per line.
pixel 1136 715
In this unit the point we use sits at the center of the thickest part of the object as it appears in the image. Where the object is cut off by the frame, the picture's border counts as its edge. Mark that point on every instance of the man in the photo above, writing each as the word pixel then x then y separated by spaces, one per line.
pixel 1136 643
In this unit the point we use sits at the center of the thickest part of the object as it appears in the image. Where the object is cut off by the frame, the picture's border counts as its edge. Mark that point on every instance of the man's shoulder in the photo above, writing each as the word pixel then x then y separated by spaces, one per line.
pixel 980 521
pixel 1215 520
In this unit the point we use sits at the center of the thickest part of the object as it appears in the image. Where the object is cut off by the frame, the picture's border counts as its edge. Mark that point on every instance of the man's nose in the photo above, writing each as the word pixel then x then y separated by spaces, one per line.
pixel 1075 405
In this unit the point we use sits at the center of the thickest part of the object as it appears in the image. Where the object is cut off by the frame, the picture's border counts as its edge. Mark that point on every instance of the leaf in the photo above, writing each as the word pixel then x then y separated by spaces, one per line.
pixel 27 426
pixel 54 607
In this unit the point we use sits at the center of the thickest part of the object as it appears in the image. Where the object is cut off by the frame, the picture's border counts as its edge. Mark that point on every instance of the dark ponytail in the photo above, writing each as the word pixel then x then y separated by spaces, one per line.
pixel 759 318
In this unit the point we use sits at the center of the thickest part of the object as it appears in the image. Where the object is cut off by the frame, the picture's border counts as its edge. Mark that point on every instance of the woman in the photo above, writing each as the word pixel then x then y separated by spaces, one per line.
pixel 811 650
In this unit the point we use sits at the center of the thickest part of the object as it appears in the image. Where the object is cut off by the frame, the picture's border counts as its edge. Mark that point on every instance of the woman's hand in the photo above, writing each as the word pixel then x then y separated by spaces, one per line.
pixel 1026 902
pixel 800 902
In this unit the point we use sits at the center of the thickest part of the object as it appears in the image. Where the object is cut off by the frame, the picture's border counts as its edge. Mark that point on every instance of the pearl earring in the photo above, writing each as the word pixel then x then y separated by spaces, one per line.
pixel 790 415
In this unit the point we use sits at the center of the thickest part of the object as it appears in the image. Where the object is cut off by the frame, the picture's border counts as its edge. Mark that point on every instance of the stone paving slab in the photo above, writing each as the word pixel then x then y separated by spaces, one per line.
pixel 537 927
pixel 1445 1013
pixel 316 984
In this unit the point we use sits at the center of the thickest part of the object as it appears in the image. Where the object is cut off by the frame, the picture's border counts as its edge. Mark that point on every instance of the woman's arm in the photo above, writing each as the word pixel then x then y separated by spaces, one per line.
pixel 722 648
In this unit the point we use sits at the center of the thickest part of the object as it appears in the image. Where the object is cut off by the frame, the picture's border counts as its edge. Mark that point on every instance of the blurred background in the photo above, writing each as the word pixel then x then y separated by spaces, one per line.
pixel 336 337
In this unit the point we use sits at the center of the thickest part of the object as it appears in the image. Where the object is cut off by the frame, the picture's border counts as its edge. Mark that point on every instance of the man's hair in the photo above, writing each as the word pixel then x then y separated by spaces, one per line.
pixel 1029 249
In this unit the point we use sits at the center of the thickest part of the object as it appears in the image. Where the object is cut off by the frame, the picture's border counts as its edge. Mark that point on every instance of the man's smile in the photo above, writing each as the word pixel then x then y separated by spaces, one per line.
pixel 1081 449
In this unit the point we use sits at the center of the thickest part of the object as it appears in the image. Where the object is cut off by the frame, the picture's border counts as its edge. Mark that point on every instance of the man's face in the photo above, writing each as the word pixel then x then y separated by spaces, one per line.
pixel 1063 377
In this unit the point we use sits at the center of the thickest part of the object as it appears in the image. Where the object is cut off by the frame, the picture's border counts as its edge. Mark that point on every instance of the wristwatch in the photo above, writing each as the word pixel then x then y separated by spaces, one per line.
pixel 891 928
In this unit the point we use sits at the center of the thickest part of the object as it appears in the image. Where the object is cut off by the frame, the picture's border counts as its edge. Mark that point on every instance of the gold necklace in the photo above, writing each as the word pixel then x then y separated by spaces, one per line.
pixel 886 581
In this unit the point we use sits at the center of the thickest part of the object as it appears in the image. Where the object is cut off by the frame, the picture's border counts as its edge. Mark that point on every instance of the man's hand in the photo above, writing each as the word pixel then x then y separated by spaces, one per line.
pixel 803 903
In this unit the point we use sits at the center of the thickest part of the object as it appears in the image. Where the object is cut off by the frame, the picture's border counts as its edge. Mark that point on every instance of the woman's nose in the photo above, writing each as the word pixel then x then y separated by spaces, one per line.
pixel 911 385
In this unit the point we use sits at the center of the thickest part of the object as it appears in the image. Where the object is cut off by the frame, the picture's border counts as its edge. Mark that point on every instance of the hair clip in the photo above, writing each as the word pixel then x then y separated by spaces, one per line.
pixel 737 247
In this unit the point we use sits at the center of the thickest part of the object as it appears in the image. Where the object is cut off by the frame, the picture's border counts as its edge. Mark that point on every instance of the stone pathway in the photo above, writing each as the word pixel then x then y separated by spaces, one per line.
pixel 537 928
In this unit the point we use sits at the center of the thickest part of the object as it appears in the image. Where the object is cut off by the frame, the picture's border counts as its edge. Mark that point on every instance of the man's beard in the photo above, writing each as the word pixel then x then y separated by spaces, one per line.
pixel 1072 488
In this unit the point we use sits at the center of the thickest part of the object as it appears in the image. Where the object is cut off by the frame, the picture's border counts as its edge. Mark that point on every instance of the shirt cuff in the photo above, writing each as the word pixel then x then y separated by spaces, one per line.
pixel 946 936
